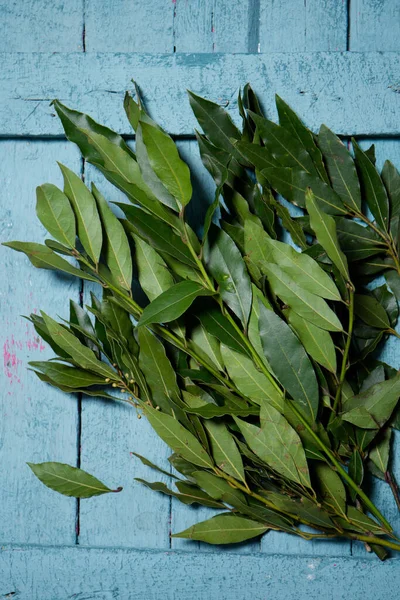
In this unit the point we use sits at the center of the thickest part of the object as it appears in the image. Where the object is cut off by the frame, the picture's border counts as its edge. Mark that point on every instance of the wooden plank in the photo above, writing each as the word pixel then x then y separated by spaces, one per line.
pixel 110 431
pixel 41 26
pixel 353 93
pixel 298 26
pixel 37 422
pixel 374 25
pixel 98 573
pixel 212 26
pixel 129 26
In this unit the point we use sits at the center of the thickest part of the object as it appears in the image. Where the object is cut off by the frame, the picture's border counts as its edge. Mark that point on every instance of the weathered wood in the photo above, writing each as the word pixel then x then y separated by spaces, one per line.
pixel 213 26
pixel 37 422
pixel 96 573
pixel 41 26
pixel 299 26
pixel 352 93
pixel 374 25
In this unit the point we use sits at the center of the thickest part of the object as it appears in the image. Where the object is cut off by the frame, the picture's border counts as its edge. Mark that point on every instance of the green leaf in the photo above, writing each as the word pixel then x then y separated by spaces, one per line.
pixel 148 463
pixel 219 488
pixel 149 176
pixel 87 217
pixel 341 169
pixel 373 407
pixel 258 156
pixel 285 148
pixel 154 276
pixel 190 494
pixel 249 381
pixel 379 454
pixel 305 509
pixel 224 450
pixel 356 241
pixel 216 124
pixel 166 163
pixel 43 257
pixel 292 226
pixel 374 191
pixel 226 265
pixel 159 235
pixel 289 361
pixel 157 369
pixel 209 346
pixel 55 213
pixel 210 411
pixel 307 305
pixel 172 303
pixel 80 353
pixel 217 325
pixel 68 480
pixel 290 121
pixel 371 311
pixel 224 528
pixel 391 179
pixel 324 227
pixel 356 471
pixel 177 437
pixel 69 376
pixel 277 444
pixel 317 342
pixel 117 252
pixel 331 487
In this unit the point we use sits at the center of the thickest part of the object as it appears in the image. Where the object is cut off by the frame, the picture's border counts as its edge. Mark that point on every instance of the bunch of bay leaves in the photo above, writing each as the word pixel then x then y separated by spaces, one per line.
pixel 249 340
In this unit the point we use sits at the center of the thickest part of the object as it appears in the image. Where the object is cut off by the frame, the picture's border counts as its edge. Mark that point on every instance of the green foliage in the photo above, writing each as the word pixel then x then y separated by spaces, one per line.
pixel 251 357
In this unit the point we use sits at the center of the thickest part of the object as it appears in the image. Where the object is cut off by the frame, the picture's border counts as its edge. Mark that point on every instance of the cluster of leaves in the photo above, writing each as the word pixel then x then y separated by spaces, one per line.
pixel 251 355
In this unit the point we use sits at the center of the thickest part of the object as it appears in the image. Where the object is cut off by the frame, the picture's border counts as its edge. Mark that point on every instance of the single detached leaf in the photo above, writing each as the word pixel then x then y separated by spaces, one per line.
pixel 80 353
pixel 177 437
pixel 68 480
pixel 249 381
pixel 317 342
pixel 374 191
pixel 43 257
pixel 56 214
pixel 87 217
pixel 116 246
pixel 226 265
pixel 172 303
pixel 167 164
pixel 277 444
pixel 224 528
pixel 371 311
pixel 289 361
pixel 307 305
pixel 341 169
pixel 324 227
pixel 224 450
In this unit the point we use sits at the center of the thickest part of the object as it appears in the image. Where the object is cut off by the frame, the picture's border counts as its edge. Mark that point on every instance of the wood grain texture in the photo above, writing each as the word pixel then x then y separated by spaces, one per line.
pixel 41 25
pixel 37 422
pixel 128 574
pixel 352 93
pixel 300 25
pixel 129 26
pixel 213 26
pixel 374 25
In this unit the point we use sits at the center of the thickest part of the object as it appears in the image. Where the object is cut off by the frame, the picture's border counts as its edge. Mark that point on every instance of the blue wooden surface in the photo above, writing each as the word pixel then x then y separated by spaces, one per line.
pixel 335 62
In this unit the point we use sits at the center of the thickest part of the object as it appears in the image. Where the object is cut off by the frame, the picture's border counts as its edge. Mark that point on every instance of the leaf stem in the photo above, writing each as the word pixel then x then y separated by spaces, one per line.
pixel 337 401
pixel 367 502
